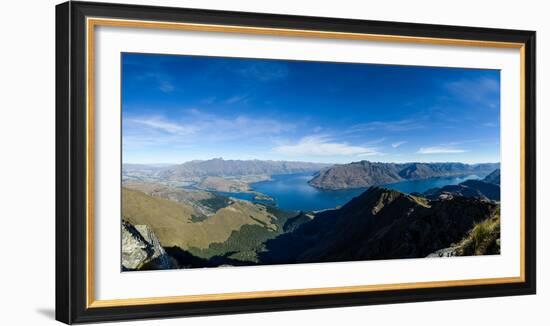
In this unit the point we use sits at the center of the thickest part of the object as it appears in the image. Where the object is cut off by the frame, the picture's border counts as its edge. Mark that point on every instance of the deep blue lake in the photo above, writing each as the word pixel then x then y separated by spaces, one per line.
pixel 292 192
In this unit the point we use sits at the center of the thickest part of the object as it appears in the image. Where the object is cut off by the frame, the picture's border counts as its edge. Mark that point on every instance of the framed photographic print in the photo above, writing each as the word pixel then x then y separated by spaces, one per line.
pixel 213 162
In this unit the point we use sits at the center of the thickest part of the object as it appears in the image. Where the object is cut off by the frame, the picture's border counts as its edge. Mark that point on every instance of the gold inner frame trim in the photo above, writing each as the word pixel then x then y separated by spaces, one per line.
pixel 92 22
pixel 296 292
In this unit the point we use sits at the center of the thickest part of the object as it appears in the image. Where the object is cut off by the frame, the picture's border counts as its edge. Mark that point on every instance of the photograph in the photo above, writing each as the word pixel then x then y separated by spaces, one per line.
pixel 231 162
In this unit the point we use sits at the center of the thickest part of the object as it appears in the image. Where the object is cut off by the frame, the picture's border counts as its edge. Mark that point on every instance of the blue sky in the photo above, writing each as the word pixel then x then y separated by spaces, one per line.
pixel 181 108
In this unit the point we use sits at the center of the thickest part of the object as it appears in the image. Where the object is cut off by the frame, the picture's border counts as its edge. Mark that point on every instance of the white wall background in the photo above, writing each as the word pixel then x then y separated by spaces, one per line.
pixel 27 161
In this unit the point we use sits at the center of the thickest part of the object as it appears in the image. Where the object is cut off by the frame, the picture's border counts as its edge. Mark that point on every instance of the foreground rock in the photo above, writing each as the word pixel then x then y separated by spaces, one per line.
pixel 142 250
pixel 445 252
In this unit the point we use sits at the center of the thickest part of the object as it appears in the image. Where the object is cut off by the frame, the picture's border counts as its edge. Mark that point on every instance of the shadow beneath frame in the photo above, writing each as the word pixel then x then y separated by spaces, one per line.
pixel 46 312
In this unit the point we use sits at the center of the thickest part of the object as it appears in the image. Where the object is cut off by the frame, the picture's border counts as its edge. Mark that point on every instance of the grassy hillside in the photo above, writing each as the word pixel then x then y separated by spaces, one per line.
pixel 174 225
pixel 244 246
pixel 140 208
pixel 203 202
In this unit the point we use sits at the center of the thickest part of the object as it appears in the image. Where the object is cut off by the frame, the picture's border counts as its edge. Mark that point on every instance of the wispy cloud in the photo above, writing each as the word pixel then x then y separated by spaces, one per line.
pixel 489 124
pixel 397 144
pixel 166 86
pixel 481 90
pixel 163 81
pixel 372 153
pixel 214 126
pixel 196 125
pixel 393 126
pixel 236 99
pixel 208 100
pixel 440 150
pixel 320 145
pixel 482 84
pixel 265 71
pixel 375 141
pixel 160 123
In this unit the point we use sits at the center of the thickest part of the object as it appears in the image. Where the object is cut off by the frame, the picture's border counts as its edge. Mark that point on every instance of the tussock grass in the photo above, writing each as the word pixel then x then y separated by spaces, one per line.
pixel 483 238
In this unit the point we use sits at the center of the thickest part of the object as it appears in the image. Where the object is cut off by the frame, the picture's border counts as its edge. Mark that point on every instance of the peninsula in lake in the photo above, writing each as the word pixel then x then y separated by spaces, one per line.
pixel 244 161
pixel 365 174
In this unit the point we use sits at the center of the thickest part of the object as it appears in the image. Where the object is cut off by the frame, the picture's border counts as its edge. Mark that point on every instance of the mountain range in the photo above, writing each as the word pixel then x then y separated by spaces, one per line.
pixel 364 174
pixel 221 167
pixel 219 174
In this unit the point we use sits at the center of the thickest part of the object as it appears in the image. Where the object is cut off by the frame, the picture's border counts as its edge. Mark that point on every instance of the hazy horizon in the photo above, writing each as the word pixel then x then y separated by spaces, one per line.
pixel 177 109
pixel 225 159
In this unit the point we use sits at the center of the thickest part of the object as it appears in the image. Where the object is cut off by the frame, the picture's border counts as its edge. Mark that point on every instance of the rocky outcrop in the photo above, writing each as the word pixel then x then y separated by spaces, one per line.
pixel 142 250
pixel 364 174
pixel 445 252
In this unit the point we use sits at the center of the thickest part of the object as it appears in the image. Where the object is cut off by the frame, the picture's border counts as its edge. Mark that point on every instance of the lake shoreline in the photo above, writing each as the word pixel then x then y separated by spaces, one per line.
pixel 292 192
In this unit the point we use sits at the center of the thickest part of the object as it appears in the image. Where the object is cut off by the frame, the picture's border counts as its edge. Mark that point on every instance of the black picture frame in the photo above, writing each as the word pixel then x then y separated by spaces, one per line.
pixel 71 158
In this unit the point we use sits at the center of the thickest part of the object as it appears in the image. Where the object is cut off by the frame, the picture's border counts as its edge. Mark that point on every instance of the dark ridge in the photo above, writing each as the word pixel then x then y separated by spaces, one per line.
pixel 493 177
pixel 468 188
pixel 379 224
